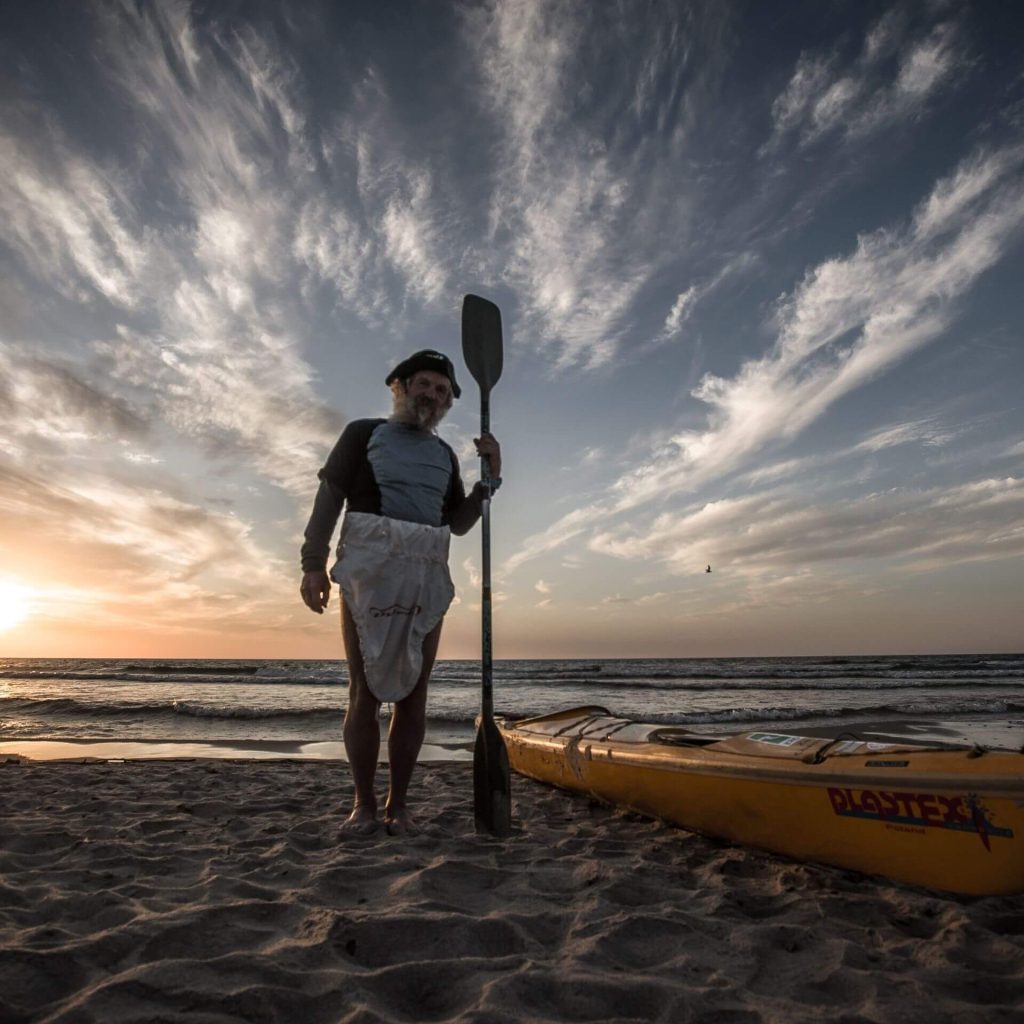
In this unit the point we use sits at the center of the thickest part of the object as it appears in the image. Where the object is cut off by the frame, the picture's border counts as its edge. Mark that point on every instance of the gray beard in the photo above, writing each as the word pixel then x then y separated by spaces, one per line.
pixel 418 412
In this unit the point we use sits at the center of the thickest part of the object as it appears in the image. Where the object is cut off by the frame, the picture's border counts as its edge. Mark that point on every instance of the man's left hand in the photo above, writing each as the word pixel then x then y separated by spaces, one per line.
pixel 487 447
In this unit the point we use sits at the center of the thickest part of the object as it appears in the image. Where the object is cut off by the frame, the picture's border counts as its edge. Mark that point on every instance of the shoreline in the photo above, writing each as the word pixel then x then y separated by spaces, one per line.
pixel 214 750
pixel 442 744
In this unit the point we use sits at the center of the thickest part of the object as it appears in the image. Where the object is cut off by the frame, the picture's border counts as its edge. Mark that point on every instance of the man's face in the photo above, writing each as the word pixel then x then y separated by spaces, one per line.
pixel 435 386
pixel 428 397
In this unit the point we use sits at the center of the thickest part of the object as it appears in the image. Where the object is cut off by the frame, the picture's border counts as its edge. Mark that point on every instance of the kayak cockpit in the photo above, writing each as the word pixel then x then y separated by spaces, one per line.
pixel 596 724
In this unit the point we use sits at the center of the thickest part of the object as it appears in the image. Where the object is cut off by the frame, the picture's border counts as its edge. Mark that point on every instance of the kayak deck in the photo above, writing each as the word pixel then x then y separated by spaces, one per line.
pixel 938 815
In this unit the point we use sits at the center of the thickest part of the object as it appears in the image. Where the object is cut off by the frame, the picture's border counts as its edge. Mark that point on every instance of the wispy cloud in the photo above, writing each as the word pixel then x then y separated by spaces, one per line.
pixel 222 358
pixel 927 432
pixel 578 189
pixel 819 470
pixel 469 567
pixel 67 221
pixel 179 561
pixel 930 432
pixel 848 321
pixel 381 222
pixel 687 300
pixel 782 532
pixel 555 536
pixel 47 404
pixel 825 96
pixel 680 312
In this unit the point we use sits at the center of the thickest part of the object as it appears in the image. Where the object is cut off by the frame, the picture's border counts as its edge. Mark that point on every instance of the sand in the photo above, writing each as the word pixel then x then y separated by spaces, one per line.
pixel 215 891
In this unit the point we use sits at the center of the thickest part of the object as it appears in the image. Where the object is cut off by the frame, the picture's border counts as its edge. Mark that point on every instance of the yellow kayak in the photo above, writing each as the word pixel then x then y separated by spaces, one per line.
pixel 950 818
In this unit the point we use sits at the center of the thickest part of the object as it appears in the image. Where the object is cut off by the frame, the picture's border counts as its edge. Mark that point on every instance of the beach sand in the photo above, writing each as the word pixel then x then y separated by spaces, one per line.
pixel 212 891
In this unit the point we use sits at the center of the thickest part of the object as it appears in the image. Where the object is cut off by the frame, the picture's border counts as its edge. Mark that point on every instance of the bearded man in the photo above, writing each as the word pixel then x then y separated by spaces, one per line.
pixel 403 496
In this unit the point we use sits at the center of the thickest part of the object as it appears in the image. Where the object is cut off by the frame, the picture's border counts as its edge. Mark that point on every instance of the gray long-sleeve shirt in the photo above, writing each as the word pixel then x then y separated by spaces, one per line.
pixel 387 468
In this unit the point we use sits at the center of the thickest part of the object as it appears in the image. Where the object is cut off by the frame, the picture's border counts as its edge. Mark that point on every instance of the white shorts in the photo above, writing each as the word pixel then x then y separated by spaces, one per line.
pixel 394 579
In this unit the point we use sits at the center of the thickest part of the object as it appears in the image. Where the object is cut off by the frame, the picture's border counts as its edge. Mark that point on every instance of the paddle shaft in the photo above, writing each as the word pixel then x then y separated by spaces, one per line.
pixel 487 665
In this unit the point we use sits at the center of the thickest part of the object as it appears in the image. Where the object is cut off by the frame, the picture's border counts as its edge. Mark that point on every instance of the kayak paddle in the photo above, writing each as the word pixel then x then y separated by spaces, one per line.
pixel 492 789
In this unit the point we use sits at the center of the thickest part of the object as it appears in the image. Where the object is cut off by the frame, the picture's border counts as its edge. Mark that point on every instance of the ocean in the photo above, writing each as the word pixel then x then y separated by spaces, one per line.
pixel 299 705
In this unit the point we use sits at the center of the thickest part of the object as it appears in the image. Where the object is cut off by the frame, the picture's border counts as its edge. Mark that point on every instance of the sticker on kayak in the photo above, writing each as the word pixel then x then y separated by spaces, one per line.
pixel 846 747
pixel 915 812
pixel 776 738
pixel 860 747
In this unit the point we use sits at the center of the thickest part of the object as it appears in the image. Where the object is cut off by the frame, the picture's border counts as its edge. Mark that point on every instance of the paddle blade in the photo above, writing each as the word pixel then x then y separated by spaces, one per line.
pixel 492 781
pixel 481 340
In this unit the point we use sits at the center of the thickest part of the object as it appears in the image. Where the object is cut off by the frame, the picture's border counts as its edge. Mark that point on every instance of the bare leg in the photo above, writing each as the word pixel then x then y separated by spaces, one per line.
pixel 405 738
pixel 361 733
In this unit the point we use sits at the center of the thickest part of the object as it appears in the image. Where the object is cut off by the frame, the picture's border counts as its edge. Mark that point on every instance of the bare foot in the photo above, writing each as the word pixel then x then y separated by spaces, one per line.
pixel 361 822
pixel 399 822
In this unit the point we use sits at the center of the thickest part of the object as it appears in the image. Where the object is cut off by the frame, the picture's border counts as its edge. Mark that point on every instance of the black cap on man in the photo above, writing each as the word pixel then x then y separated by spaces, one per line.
pixel 425 359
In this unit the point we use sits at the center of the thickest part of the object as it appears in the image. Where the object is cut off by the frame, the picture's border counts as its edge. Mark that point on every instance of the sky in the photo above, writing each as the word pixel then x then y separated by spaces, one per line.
pixel 760 273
